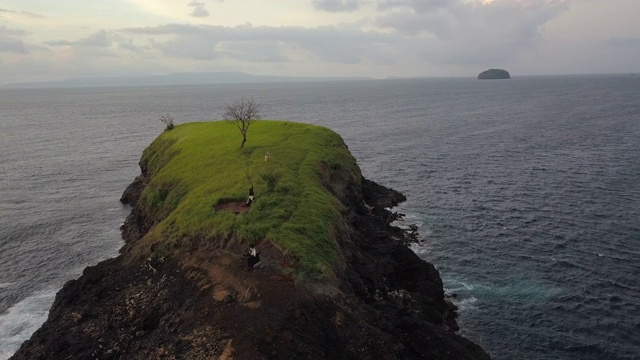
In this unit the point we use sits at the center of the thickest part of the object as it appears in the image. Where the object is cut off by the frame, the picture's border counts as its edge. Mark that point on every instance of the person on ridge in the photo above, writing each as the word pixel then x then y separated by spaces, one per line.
pixel 251 198
pixel 253 260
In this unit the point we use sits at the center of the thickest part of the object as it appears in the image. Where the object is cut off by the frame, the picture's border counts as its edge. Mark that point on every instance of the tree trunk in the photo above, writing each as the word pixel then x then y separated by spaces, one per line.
pixel 244 140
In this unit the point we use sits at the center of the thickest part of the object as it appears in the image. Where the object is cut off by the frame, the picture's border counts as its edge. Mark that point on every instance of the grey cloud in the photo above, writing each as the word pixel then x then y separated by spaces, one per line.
pixel 24 13
pixel 199 9
pixel 419 6
pixel 260 51
pixel 336 5
pixel 188 41
pixel 11 42
pixel 12 45
pixel 100 39
pixel 410 23
pixel 128 45
pixel 249 32
pixel 339 44
pixel 58 42
pixel 188 46
pixel 462 33
pixel 437 32
pixel 5 31
pixel 470 18
pixel 199 12
pixel 175 29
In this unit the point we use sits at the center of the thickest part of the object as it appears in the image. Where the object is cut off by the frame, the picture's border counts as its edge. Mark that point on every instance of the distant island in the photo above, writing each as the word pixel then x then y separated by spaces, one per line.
pixel 494 74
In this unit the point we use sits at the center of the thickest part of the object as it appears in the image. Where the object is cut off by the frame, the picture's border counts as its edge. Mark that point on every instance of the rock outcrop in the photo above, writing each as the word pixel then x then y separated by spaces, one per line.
pixel 494 74
pixel 202 302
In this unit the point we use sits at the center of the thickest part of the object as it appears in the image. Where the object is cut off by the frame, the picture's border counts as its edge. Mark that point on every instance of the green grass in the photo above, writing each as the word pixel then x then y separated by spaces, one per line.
pixel 195 166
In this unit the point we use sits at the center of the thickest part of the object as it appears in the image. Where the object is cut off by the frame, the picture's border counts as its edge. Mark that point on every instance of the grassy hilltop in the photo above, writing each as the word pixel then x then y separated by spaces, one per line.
pixel 196 168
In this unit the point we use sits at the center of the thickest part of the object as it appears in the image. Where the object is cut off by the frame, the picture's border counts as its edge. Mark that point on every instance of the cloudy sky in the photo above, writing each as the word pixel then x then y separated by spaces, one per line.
pixel 51 40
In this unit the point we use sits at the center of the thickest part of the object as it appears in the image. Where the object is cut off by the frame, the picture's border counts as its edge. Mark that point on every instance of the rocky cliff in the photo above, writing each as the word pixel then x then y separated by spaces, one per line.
pixel 199 300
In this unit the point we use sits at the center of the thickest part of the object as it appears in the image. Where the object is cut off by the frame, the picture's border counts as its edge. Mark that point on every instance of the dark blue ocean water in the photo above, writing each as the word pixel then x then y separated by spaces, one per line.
pixel 526 192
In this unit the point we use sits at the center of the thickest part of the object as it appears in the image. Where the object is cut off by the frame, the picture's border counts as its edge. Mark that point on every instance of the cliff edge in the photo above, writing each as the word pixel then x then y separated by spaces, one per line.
pixel 335 279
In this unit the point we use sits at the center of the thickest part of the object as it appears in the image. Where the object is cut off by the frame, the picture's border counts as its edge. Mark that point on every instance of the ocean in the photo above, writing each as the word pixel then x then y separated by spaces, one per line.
pixel 526 192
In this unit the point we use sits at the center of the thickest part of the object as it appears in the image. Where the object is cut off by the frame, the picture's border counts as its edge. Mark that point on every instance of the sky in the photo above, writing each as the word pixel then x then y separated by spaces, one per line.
pixel 54 40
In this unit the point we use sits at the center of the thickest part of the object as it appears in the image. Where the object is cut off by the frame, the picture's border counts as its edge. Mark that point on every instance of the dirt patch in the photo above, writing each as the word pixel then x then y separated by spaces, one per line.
pixel 235 207
pixel 220 293
pixel 227 354
pixel 253 304
pixel 248 305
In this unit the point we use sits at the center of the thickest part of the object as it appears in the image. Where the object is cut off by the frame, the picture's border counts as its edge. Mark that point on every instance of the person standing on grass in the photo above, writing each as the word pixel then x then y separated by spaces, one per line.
pixel 251 198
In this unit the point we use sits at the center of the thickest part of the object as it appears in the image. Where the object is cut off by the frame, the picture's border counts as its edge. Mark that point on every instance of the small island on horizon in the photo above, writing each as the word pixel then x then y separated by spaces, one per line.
pixel 494 74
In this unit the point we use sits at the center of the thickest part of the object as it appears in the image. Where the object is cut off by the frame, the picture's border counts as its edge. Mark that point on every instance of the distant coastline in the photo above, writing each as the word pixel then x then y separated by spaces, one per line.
pixel 188 78
pixel 230 78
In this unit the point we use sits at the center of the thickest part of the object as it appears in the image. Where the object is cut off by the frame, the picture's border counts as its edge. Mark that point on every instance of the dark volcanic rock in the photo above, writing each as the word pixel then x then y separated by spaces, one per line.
pixel 494 74
pixel 201 303
pixel 133 191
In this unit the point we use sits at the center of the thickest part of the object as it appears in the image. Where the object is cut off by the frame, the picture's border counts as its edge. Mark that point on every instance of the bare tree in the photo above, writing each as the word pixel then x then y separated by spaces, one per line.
pixel 168 121
pixel 242 113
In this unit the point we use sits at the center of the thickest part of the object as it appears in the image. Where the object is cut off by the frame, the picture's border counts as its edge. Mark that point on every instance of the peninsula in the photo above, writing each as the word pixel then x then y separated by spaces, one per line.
pixel 335 279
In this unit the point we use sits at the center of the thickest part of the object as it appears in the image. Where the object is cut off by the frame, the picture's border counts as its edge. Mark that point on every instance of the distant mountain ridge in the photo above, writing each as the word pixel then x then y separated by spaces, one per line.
pixel 187 78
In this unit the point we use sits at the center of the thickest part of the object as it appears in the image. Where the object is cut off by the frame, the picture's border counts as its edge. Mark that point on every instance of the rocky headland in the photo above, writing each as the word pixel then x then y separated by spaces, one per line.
pixel 195 297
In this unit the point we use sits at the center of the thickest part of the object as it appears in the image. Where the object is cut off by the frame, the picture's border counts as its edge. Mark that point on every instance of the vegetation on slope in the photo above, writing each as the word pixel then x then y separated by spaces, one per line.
pixel 196 167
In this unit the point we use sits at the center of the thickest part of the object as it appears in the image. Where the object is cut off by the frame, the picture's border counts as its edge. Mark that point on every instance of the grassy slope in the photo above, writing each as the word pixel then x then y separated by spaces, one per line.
pixel 198 165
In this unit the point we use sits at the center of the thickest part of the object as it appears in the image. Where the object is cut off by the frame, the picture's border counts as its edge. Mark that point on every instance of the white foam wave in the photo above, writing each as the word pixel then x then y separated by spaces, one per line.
pixel 23 319
pixel 454 286
pixel 466 304
pixel 409 218
pixel 422 249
